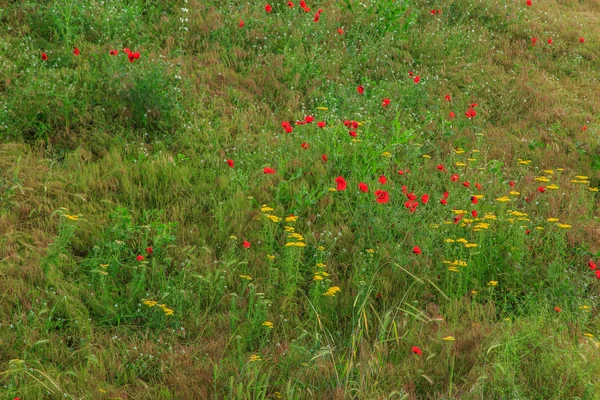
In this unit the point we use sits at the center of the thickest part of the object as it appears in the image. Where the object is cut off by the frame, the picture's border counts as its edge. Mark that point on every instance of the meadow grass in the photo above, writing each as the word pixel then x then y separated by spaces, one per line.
pixel 147 252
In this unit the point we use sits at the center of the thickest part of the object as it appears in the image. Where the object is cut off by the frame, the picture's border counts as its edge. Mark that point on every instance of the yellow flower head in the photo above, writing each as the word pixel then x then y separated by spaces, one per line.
pixel 268 324
pixel 332 291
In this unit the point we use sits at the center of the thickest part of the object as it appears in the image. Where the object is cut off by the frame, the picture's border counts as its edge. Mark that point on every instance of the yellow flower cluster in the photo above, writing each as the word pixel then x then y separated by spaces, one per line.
pixel 332 291
pixel 166 310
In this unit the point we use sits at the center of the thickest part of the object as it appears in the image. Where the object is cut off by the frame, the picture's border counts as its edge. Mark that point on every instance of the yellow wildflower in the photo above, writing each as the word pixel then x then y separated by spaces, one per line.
pixel 268 324
pixel 492 283
pixel 514 193
pixel 588 335
pixel 321 248
pixel 386 154
pixel 426 156
pixel 564 226
pixel 460 164
pixel 449 338
pixel 149 303
pixel 552 220
pixel 72 217
pixel 247 277
pixel 322 108
pixel 317 278
pixel 593 189
pixel 291 218
pixel 270 257
pixel 332 291
pixel 274 218
pixel 449 240
pixel 254 358
pixel 332 189
pixel 503 199
pixel 265 208
pixel 470 245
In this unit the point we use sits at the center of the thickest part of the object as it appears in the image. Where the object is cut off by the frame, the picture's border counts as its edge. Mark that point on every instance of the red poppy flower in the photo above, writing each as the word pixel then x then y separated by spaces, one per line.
pixel 317 16
pixel 425 199
pixel 321 124
pixel 598 273
pixel 230 163
pixel 417 79
pixel 417 250
pixel 445 195
pixel 268 170
pixel 478 186
pixel 411 196
pixel 584 128
pixel 382 196
pixel 149 250
pixel 140 257
pixel 341 183
pixel 290 4
pixel 474 213
pixel 114 52
pixel 457 219
pixel 416 350
pixel 527 232
pixel 474 200
pixel 454 177
pixel 410 73
pixel 360 89
pixel 382 179
pixel 533 41
pixel 542 189
pixel 304 145
pixel 385 102
pixel 443 201
pixel 340 31
pixel 44 56
pixel 432 12
pixel 550 41
pixel 308 119
pixel 466 184
pixel 447 97
pixel 363 187
pixel 324 157
pixel 76 51
pixel 288 129
pixel 401 172
pixel 557 309
pixel 471 113
pixel 511 183
pixel 528 2
pixel 352 133
pixel 592 265
pixel 404 189
pixel 241 24
pixel 246 244
pixel 441 167
pixel 451 115
pixel 581 40
pixel 268 8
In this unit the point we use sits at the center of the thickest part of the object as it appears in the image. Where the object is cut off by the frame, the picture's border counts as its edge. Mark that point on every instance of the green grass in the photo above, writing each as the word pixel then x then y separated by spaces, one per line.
pixel 122 267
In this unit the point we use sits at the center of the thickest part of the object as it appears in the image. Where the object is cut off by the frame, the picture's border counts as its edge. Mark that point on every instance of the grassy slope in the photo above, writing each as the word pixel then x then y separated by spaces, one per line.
pixel 138 151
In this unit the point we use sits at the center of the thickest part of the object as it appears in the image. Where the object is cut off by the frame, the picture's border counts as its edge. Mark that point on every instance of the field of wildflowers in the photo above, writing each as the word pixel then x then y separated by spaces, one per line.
pixel 351 199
